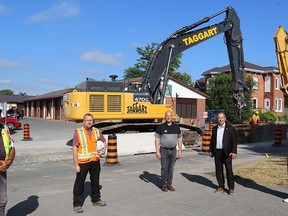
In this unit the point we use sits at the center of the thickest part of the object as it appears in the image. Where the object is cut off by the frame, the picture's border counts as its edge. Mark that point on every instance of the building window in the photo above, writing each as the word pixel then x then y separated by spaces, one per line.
pixel 267 83
pixel 208 81
pixel 267 104
pixel 208 84
pixel 277 83
pixel 255 82
pixel 278 105
pixel 255 103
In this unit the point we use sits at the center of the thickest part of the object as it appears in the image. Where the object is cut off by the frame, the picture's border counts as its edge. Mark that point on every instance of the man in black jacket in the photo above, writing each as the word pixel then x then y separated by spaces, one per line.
pixel 223 147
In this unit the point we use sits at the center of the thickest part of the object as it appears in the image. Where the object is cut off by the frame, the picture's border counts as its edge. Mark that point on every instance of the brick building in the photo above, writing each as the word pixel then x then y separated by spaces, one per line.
pixel 266 94
pixel 48 105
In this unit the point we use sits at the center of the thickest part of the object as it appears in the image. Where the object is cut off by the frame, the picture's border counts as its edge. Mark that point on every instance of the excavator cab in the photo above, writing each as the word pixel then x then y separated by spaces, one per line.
pixel 135 87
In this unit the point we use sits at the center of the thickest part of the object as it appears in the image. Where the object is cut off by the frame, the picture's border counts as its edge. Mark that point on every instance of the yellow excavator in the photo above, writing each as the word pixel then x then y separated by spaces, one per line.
pixel 137 108
pixel 281 44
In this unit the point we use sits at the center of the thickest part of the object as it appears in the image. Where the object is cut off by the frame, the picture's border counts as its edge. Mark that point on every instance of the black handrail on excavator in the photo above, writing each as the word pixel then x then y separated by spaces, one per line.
pixel 155 78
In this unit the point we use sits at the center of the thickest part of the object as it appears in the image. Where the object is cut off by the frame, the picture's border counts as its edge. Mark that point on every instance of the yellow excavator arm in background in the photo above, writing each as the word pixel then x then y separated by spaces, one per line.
pixel 281 44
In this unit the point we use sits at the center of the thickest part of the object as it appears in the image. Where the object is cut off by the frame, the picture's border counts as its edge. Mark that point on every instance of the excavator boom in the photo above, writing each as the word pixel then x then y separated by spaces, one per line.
pixel 186 38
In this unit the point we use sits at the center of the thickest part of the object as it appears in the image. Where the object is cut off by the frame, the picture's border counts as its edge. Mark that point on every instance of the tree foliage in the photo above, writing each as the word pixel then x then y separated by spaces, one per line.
pixel 6 92
pixel 268 116
pixel 143 61
pixel 133 72
pixel 185 78
pixel 220 89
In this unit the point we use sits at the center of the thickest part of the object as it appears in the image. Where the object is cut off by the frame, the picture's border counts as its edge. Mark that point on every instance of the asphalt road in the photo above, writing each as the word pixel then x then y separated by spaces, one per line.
pixel 40 181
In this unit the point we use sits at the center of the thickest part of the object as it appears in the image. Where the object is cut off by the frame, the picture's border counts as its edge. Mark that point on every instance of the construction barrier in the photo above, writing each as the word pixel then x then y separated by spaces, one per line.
pixel 278 136
pixel 206 138
pixel 112 157
pixel 26 133
pixel 211 125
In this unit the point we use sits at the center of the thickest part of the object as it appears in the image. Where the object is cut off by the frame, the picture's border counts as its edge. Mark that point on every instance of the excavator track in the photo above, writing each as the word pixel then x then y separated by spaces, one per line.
pixel 119 127
pixel 191 134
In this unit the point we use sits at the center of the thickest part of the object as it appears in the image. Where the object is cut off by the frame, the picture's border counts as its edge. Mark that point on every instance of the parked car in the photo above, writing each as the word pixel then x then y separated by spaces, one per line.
pixel 12 123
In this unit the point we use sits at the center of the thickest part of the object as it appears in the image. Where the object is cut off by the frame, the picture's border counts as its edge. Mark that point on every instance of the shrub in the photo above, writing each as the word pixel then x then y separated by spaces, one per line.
pixel 268 116
pixel 282 118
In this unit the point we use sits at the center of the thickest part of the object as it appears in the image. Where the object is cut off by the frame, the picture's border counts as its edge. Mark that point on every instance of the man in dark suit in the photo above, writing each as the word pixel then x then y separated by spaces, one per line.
pixel 223 147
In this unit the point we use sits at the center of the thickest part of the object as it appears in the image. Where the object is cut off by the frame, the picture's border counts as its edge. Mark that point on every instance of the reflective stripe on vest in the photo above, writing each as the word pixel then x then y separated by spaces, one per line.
pixel 84 153
pixel 6 140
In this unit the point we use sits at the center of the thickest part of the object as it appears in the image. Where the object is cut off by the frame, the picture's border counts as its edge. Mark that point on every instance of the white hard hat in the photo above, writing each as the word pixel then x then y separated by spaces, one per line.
pixel 100 145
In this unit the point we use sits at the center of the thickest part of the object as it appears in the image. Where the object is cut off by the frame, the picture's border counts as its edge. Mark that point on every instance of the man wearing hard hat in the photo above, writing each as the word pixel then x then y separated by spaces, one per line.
pixel 255 119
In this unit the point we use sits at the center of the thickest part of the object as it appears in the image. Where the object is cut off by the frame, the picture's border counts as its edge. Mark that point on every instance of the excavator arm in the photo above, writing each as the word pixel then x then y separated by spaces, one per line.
pixel 155 78
pixel 281 44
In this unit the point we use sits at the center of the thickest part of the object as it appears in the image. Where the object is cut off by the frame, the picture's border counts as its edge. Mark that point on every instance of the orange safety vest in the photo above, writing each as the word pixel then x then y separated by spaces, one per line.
pixel 87 150
pixel 255 119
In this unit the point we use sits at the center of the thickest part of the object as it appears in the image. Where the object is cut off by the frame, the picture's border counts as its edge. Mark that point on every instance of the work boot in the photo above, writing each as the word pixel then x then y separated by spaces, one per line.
pixel 164 188
pixel 78 209
pixel 170 188
pixel 99 203
pixel 219 189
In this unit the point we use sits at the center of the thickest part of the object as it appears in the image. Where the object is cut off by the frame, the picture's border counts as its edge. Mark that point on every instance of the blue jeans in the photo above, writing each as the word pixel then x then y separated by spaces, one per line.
pixel 168 159
pixel 3 193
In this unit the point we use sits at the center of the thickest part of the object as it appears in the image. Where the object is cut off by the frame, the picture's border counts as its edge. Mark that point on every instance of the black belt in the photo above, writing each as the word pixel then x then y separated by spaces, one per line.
pixel 169 148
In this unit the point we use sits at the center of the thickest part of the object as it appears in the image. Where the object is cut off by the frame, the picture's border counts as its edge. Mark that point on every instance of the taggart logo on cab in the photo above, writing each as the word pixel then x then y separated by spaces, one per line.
pixel 137 108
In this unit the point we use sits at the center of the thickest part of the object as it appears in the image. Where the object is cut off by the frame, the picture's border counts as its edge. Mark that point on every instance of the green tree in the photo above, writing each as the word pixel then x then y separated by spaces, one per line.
pixel 145 56
pixel 185 78
pixel 143 61
pixel 133 72
pixel 6 92
pixel 220 89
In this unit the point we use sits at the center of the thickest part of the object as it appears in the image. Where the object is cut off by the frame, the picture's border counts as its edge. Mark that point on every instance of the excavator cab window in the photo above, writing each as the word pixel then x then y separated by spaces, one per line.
pixel 135 87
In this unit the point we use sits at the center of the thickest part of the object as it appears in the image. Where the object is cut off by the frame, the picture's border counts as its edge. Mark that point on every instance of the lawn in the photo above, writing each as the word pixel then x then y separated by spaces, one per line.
pixel 270 171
